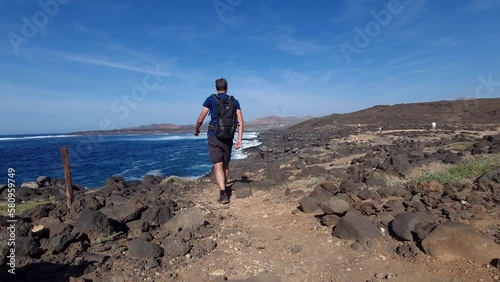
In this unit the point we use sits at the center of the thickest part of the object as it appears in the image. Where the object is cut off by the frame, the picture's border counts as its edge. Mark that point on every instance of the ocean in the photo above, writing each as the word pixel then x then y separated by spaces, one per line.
pixel 93 159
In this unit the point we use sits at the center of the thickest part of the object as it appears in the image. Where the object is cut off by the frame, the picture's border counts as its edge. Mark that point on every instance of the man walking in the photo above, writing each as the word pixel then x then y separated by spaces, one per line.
pixel 222 108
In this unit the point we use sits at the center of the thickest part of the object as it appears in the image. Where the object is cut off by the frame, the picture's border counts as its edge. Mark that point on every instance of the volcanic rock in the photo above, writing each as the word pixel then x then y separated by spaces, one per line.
pixel 454 240
pixel 93 223
pixel 412 225
pixel 143 249
pixel 354 226
pixel 189 220
pixel 308 204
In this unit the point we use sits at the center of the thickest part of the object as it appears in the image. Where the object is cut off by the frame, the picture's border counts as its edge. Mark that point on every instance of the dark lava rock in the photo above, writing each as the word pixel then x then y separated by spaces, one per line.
pixel 354 226
pixel 27 246
pixel 125 212
pixel 93 223
pixel 394 206
pixel 329 220
pixel 321 194
pixel 158 215
pixel 349 185
pixel 455 240
pixel 202 247
pixel 143 249
pixel 189 220
pixel 115 180
pixel 312 171
pixel 60 242
pixel 23 227
pixel 412 226
pixel 398 191
pixel 400 163
pixel 335 205
pixel 151 180
pixel 308 204
pixel 174 247
pixel 85 202
pixel 407 251
pixel 39 211
pixel 330 186
pixel 54 225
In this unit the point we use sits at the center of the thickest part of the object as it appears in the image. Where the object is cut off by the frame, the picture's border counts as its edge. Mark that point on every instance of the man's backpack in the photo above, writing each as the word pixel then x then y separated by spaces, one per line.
pixel 226 118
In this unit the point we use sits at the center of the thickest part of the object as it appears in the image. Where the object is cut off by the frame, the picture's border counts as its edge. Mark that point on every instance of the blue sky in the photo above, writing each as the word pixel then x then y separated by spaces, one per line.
pixel 85 65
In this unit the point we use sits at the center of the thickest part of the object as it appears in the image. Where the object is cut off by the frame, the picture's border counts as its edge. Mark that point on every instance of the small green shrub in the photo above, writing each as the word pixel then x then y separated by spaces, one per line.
pixel 458 174
pixel 21 207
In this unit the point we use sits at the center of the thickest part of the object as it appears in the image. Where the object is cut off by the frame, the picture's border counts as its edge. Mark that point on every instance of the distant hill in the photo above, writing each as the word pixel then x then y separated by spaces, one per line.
pixel 275 120
pixel 143 129
pixel 449 114
pixel 256 124
pixel 155 126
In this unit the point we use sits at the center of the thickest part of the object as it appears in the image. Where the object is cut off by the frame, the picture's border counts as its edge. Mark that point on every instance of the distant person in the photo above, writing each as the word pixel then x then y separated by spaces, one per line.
pixel 226 116
pixel 433 125
pixel 380 128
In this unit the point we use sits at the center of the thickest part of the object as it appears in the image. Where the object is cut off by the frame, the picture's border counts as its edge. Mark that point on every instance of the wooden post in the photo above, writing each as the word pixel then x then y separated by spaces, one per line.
pixel 67 177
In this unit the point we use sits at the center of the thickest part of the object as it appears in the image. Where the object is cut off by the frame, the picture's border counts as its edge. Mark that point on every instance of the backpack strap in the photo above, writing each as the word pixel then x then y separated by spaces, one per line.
pixel 217 99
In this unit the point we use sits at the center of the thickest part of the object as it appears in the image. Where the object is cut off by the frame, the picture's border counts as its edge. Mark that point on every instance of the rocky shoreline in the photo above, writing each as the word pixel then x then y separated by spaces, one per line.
pixel 360 187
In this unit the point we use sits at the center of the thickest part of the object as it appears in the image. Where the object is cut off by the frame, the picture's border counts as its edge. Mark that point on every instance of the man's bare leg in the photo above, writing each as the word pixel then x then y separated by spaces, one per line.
pixel 220 176
pixel 226 174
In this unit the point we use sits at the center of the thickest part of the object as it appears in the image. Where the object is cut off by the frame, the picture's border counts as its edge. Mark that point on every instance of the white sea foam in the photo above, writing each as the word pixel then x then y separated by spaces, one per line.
pixel 35 137
pixel 128 170
pixel 166 138
pixel 132 178
pixel 238 155
pixel 155 172
pixel 249 141
pixel 250 135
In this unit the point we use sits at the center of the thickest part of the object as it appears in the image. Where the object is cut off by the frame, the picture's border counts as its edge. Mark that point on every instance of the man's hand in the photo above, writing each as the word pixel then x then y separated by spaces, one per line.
pixel 199 121
pixel 237 145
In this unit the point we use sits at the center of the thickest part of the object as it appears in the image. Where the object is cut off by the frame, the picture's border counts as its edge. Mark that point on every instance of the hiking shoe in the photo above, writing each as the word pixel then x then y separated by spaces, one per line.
pixel 224 199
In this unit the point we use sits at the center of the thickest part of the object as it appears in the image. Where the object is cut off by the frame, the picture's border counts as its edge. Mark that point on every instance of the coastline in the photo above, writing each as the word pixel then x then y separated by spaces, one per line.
pixel 139 164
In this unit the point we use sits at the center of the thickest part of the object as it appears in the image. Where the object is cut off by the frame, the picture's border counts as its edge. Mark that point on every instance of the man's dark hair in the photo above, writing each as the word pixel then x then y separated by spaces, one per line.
pixel 221 84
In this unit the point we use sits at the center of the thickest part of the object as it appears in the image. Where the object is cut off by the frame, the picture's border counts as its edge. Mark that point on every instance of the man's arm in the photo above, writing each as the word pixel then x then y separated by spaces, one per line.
pixel 199 122
pixel 239 115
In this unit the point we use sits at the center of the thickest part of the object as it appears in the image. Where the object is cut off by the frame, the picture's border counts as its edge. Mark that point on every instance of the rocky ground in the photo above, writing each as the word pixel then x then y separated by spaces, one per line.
pixel 329 204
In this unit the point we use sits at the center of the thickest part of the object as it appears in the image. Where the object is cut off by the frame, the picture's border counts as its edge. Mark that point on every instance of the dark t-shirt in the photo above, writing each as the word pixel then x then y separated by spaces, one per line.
pixel 211 104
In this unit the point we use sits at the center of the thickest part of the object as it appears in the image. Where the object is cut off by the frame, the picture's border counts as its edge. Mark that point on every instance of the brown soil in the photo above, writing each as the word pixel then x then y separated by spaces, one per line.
pixel 267 226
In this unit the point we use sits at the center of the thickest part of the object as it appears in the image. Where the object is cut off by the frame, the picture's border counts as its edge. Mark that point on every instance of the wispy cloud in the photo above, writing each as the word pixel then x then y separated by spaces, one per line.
pixel 482 5
pixel 405 58
pixel 412 9
pixel 184 32
pixel 431 69
pixel 122 66
pixel 301 47
pixel 354 10
pixel 448 41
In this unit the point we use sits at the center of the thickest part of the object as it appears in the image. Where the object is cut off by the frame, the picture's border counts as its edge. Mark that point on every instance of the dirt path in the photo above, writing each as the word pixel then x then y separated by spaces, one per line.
pixel 261 234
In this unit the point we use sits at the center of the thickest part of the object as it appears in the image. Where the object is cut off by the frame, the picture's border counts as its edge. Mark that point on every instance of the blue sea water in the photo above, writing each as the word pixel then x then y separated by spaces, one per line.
pixel 95 158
